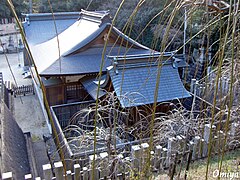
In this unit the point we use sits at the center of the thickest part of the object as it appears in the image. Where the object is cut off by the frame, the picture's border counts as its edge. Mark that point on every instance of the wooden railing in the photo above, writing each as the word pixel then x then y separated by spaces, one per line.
pixel 64 112
pixel 23 90
pixel 10 20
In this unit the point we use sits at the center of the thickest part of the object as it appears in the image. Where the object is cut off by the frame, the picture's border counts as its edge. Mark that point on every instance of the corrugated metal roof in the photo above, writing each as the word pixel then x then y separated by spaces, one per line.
pixel 91 85
pixel 135 86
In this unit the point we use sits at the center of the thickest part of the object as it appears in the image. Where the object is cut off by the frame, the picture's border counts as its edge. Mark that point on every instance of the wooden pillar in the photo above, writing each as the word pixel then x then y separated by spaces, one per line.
pixel 215 144
pixel 200 153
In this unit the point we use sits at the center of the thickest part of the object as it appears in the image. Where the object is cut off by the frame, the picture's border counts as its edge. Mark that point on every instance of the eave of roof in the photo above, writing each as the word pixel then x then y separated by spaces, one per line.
pixel 47 53
pixel 87 62
pixel 91 85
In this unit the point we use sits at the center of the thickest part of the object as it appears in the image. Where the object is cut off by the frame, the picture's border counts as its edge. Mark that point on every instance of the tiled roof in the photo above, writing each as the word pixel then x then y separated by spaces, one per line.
pixel 86 62
pixel 135 85
pixel 91 85
pixel 65 60
pixel 40 28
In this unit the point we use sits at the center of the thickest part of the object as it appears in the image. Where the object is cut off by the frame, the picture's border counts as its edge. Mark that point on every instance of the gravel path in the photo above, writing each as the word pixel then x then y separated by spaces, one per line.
pixel 29 113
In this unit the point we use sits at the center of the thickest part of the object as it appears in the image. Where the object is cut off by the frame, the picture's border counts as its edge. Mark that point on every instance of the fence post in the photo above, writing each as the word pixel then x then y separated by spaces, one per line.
pixel 121 166
pixel 69 175
pixel 95 169
pixel 196 147
pixel 144 148
pixel 158 151
pixel 171 147
pixel 164 157
pixel 104 167
pixel 233 129
pixel 7 176
pixel 136 154
pixel 47 171
pixel 85 173
pixel 76 171
pixel 28 176
pixel 206 137
pixel 59 170
pixel 215 144
pixel 221 136
pixel 200 149
pixel 181 142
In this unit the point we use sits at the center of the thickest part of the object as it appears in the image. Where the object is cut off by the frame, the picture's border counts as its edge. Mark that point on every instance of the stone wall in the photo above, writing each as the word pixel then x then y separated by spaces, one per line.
pixel 13 148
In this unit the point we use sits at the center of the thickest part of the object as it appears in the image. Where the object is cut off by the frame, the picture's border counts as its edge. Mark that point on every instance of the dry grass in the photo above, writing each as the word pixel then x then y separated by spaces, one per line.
pixel 231 164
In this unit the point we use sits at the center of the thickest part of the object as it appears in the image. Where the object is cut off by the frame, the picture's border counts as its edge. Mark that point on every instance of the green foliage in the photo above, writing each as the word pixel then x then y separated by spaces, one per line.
pixel 20 7
pixel 67 5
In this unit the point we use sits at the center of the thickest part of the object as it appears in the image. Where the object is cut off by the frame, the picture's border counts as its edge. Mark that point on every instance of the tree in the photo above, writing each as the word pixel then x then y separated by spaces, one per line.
pixel 20 7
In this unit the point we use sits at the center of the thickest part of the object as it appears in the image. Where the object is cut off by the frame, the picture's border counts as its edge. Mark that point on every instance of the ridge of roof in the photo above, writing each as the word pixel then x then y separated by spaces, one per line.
pixel 94 35
pixel 49 16
pixel 101 17
pixel 140 60
pixel 153 54
pixel 124 36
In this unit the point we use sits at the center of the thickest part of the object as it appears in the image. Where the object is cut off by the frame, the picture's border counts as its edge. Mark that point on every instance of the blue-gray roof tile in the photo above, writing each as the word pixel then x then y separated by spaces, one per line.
pixel 135 86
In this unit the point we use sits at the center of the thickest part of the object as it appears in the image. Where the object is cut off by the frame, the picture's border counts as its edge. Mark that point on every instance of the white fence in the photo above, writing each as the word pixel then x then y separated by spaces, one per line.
pixel 125 165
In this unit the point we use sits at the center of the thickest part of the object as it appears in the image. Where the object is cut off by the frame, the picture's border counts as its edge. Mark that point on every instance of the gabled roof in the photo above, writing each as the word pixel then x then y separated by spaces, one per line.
pixel 70 57
pixel 135 82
